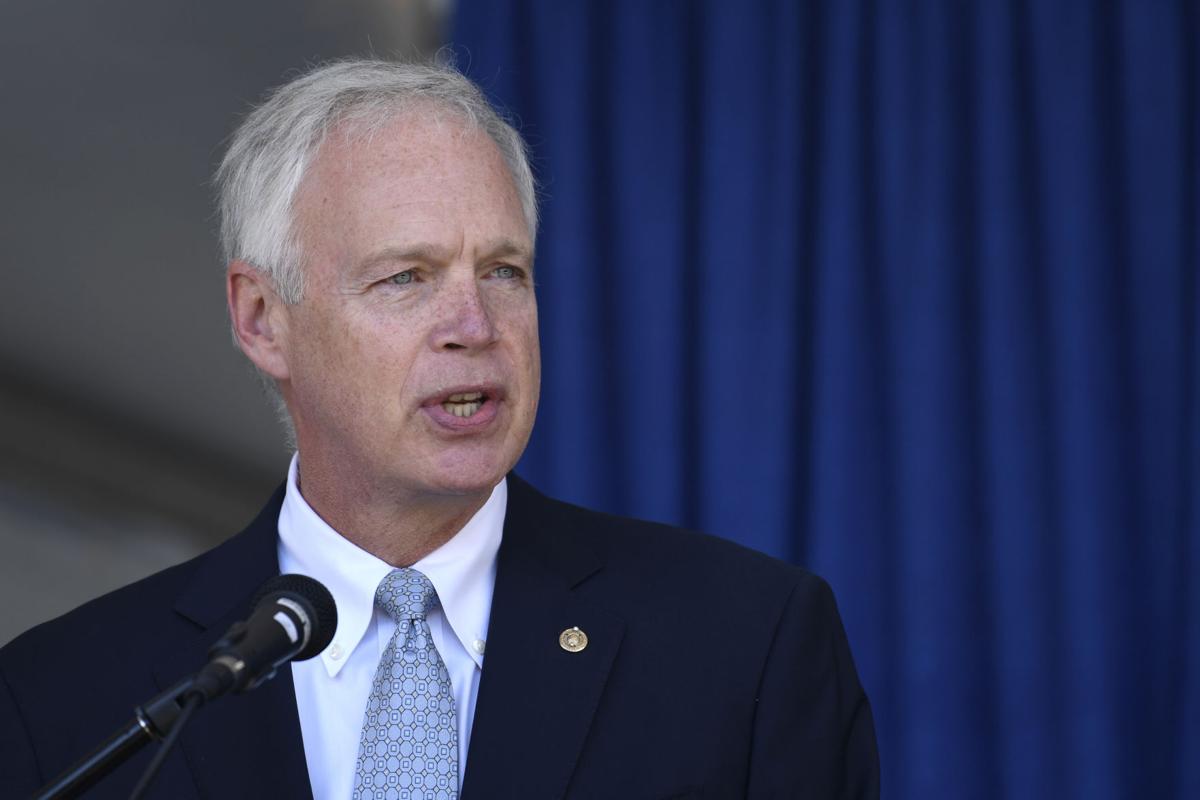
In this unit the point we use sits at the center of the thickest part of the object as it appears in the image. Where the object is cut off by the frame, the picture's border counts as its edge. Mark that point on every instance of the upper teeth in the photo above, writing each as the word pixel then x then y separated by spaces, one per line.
pixel 464 404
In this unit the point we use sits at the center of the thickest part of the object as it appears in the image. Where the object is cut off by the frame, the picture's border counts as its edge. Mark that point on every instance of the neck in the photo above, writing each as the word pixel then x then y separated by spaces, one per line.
pixel 400 530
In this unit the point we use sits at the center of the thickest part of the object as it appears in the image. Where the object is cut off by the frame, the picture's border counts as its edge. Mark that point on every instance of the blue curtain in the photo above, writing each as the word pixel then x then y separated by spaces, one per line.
pixel 906 293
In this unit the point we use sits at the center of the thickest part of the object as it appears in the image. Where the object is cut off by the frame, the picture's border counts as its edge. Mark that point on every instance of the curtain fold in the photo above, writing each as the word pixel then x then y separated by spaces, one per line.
pixel 905 293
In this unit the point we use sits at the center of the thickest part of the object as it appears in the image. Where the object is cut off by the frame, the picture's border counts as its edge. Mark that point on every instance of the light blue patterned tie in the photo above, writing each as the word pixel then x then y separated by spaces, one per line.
pixel 408 749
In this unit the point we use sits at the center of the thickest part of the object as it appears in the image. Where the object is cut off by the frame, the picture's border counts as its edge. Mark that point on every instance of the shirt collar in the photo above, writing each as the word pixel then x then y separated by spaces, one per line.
pixel 463 570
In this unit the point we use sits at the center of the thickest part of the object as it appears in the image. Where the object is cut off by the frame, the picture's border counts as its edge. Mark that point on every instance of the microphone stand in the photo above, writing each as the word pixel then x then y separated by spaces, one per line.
pixel 153 720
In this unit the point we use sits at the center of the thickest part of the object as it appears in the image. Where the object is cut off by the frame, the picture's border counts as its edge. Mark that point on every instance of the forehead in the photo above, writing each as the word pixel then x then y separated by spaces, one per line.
pixel 421 175
pixel 424 148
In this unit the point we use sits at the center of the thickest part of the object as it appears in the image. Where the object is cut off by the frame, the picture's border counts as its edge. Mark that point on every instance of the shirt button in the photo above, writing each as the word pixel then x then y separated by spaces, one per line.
pixel 336 652
pixel 479 645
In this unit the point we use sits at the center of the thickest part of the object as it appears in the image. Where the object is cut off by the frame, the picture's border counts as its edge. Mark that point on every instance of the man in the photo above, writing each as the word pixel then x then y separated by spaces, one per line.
pixel 379 222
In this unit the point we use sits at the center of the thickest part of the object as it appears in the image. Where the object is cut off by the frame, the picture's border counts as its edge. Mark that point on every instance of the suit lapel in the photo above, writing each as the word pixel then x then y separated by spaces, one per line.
pixel 537 700
pixel 241 745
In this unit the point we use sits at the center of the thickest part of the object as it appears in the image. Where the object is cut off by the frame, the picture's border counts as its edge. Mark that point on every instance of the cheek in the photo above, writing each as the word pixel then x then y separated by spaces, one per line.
pixel 535 357
pixel 324 382
pixel 533 344
pixel 356 364
pixel 531 349
pixel 522 328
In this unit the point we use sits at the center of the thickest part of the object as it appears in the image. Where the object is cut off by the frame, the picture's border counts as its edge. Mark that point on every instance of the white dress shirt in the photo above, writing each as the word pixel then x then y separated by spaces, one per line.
pixel 332 689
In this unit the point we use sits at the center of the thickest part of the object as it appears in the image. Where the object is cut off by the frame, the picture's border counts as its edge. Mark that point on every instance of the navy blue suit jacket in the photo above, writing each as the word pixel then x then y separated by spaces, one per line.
pixel 710 671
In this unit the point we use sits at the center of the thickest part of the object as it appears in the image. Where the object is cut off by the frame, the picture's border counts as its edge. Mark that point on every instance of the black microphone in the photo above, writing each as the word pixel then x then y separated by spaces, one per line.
pixel 294 619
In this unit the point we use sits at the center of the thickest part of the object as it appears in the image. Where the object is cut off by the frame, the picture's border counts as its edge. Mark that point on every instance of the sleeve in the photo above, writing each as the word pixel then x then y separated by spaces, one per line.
pixel 814 736
pixel 19 773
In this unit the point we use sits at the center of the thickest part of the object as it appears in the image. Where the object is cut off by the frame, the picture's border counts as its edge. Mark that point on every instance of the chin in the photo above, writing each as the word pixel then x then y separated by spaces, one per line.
pixel 466 479
pixel 464 467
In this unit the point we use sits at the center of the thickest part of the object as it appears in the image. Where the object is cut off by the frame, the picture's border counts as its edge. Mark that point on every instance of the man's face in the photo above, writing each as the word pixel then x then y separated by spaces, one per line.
pixel 412 360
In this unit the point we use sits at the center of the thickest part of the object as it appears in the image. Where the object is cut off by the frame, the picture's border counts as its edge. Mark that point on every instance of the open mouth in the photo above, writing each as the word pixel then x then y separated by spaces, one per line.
pixel 464 404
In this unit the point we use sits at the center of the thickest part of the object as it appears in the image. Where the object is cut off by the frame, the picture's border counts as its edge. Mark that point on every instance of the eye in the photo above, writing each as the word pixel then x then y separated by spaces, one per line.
pixel 403 278
pixel 506 272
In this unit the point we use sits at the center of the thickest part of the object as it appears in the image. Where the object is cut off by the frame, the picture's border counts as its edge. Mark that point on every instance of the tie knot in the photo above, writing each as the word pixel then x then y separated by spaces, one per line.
pixel 406 594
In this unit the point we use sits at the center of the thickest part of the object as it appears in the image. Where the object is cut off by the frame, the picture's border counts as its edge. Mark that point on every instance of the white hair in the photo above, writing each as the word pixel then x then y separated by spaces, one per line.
pixel 273 148
pixel 271 151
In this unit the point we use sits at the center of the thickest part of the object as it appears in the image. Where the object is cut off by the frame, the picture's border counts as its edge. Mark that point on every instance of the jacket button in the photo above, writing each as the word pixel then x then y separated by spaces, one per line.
pixel 572 640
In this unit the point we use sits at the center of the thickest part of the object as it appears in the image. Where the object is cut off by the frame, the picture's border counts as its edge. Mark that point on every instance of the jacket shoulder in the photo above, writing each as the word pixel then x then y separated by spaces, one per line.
pixel 656 562
pixel 112 651
pixel 126 615
pixel 118 614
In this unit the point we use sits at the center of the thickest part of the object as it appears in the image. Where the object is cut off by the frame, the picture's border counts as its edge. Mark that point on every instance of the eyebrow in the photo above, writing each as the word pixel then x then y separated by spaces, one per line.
pixel 505 248
pixel 498 248
pixel 416 252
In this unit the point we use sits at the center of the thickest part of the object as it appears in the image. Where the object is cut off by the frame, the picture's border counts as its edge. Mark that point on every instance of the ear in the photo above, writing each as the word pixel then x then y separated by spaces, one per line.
pixel 259 318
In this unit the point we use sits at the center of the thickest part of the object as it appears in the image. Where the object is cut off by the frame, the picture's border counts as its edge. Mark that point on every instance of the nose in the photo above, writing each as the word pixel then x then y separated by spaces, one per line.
pixel 464 322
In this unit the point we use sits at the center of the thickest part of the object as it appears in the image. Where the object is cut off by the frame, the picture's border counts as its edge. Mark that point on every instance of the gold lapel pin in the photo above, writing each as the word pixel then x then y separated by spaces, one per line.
pixel 572 640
